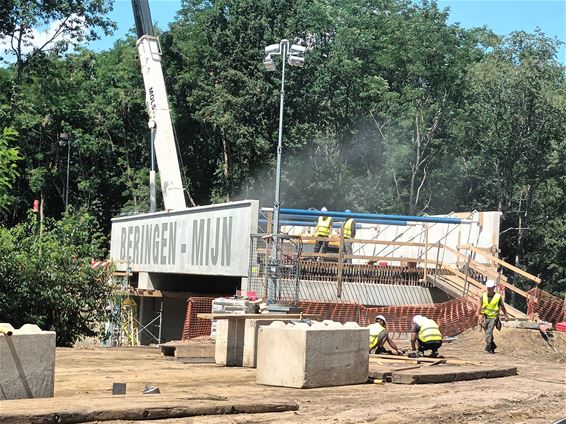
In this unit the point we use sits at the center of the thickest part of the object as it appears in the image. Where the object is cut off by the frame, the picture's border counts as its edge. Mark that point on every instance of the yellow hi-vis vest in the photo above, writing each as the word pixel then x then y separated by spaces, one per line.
pixel 374 331
pixel 347 228
pixel 323 226
pixel 429 331
pixel 490 309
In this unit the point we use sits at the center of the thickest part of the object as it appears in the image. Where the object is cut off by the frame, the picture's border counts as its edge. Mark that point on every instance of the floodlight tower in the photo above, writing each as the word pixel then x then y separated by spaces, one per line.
pixel 294 56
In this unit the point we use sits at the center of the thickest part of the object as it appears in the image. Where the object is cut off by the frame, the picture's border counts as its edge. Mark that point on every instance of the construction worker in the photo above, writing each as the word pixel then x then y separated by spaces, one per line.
pixel 323 227
pixel 488 314
pixel 348 233
pixel 378 336
pixel 426 334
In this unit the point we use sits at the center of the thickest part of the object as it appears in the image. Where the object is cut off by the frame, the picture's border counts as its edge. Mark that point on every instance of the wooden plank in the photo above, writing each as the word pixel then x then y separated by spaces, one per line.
pixel 367 257
pixel 449 374
pixel 126 412
pixel 386 373
pixel 502 263
pixel 368 241
pixel 398 358
pixel 257 316
pixel 188 350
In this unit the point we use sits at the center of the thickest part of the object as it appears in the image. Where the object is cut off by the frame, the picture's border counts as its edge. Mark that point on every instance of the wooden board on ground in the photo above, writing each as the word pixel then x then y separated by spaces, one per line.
pixel 148 407
pixel 447 374
pixel 404 359
pixel 384 372
pixel 188 350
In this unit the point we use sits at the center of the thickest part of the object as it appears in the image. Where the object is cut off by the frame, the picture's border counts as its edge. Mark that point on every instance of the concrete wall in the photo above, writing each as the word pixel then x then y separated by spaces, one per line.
pixel 364 293
pixel 321 355
pixel 27 363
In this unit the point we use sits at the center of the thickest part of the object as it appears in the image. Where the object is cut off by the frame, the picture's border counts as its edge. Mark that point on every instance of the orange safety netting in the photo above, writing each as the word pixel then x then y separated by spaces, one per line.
pixel 453 317
pixel 548 307
pixel 194 326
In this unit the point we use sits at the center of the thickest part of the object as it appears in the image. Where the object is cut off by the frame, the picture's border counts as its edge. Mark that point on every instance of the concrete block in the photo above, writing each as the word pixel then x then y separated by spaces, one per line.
pixel 27 363
pixel 229 348
pixel 251 331
pixel 293 356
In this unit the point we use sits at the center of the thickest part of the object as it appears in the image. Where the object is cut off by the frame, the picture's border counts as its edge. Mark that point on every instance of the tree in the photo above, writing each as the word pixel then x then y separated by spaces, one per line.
pixel 511 136
pixel 8 168
pixel 46 278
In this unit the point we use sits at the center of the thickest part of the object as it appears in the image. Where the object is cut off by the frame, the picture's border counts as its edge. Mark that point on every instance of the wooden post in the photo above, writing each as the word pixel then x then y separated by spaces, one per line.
pixel 426 252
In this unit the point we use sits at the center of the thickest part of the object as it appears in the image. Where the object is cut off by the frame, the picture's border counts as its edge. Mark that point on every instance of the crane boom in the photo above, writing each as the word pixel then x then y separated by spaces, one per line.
pixel 158 108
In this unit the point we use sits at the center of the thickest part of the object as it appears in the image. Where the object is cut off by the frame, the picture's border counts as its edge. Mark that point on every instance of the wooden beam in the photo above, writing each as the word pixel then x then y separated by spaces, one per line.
pixel 126 412
pixel 449 374
pixel 502 263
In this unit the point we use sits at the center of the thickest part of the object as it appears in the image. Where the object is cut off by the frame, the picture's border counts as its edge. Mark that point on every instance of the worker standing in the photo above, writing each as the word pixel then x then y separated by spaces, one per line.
pixel 378 336
pixel 426 334
pixel 348 233
pixel 323 227
pixel 488 314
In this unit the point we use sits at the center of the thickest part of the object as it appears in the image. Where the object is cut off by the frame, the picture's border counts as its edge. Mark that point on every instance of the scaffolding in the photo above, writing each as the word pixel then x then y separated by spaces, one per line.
pixel 125 324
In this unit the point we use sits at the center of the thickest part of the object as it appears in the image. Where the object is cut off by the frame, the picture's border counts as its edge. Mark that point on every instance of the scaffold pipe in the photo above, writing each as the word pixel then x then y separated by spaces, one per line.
pixel 376 216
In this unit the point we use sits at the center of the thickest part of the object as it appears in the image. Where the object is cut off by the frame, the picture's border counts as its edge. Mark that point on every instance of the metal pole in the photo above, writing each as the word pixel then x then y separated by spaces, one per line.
pixel 273 261
pixel 160 321
pixel 68 161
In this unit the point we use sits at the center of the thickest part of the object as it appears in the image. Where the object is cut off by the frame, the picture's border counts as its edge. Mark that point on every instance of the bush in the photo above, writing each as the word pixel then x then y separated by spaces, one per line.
pixel 46 276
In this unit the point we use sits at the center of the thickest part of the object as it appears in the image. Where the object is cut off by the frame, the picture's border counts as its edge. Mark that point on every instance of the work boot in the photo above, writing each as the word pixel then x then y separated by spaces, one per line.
pixel 488 349
pixel 434 354
pixel 493 347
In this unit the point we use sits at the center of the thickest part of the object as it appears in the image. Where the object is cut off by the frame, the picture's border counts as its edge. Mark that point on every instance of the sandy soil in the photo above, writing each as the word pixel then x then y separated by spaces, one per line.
pixel 536 395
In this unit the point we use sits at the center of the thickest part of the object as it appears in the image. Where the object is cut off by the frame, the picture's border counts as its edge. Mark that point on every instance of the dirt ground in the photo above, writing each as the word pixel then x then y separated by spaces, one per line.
pixel 536 395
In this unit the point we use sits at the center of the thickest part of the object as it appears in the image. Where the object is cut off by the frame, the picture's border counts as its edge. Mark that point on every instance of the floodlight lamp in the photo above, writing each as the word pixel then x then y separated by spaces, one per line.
pixel 297 50
pixel 296 61
pixel 272 49
pixel 268 63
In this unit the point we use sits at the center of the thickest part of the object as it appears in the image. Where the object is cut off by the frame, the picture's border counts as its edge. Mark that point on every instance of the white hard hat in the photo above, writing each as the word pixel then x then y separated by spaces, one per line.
pixel 381 317
pixel 323 209
pixel 490 283
pixel 417 318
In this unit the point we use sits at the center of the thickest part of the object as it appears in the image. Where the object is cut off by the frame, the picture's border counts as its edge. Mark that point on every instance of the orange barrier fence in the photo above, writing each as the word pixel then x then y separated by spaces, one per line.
pixel 548 307
pixel 453 316
pixel 195 327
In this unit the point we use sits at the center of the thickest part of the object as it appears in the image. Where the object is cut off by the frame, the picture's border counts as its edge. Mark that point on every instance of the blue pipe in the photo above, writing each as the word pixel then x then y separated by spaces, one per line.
pixel 307 220
pixel 412 218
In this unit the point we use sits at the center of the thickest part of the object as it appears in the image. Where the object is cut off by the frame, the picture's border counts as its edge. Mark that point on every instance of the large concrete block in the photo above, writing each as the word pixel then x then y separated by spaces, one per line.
pixel 251 332
pixel 27 363
pixel 320 355
pixel 229 348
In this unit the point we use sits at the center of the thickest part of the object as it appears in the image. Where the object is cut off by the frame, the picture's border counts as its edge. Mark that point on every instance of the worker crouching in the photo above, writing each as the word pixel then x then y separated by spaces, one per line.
pixel 378 336
pixel 426 335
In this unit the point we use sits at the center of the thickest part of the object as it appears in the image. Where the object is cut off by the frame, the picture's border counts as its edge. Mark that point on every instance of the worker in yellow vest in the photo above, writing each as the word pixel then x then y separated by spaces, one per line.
pixel 378 336
pixel 323 227
pixel 488 314
pixel 426 335
pixel 348 233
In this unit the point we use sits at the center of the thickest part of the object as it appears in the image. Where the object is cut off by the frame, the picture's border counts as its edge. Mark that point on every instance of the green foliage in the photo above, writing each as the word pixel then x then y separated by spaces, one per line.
pixel 46 277
pixel 8 168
